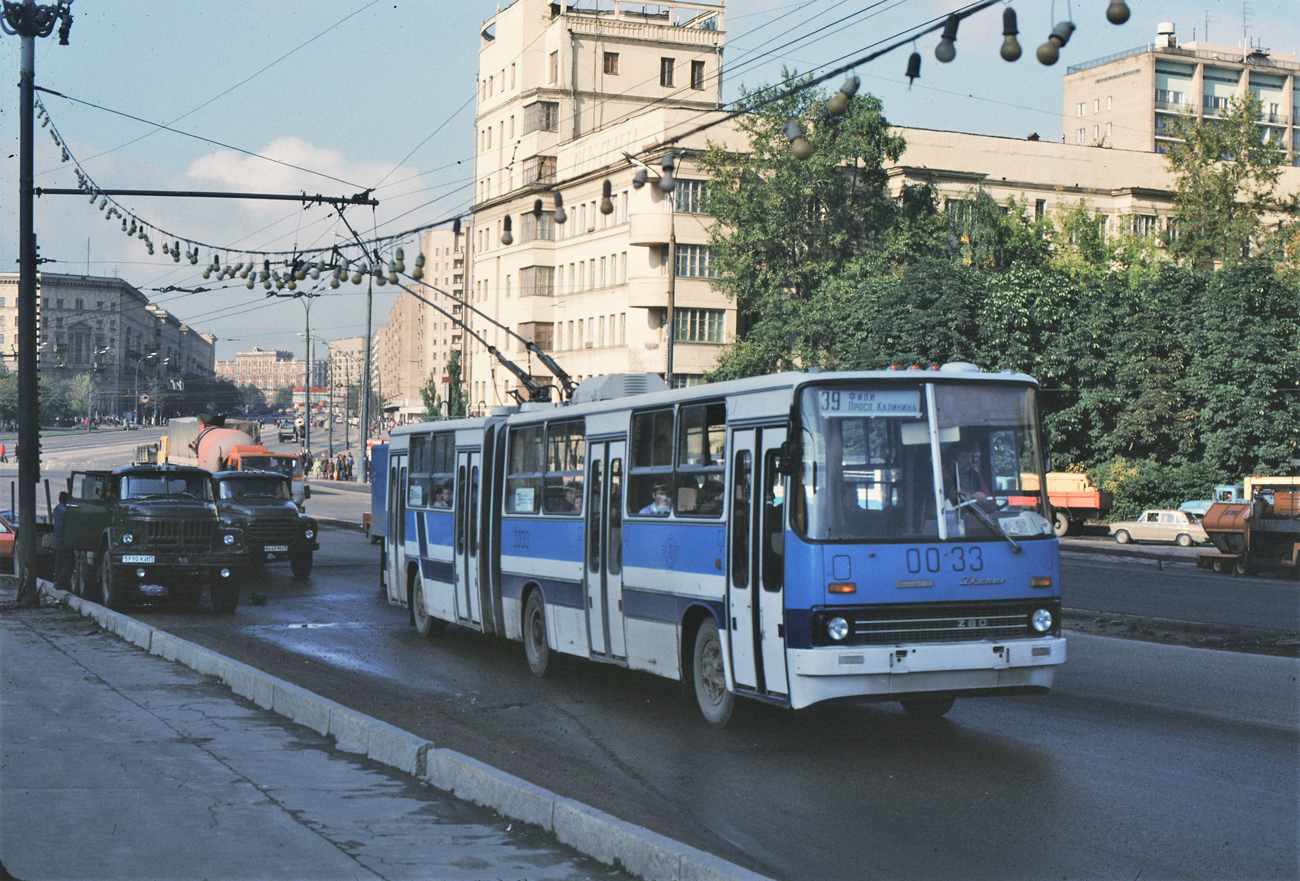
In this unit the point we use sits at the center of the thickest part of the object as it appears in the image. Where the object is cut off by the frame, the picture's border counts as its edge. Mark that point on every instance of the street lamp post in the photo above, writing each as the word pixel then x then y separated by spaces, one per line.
pixel 90 381
pixel 29 21
pixel 161 365
pixel 136 407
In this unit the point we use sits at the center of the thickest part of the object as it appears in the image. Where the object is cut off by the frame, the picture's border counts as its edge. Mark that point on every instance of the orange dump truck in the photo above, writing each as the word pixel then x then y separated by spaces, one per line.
pixel 1073 498
pixel 1260 532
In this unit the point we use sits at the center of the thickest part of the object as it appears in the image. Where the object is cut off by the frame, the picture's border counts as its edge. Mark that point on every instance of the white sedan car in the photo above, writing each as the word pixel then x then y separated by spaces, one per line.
pixel 1161 524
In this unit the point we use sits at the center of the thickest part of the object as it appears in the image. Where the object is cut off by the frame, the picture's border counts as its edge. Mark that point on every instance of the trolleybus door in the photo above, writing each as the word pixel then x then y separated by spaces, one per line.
pixel 742 610
pixel 770 536
pixel 395 530
pixel 468 487
pixel 603 551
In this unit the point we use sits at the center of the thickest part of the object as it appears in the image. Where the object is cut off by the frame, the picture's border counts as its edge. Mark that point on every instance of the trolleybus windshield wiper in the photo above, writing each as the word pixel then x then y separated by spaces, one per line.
pixel 988 521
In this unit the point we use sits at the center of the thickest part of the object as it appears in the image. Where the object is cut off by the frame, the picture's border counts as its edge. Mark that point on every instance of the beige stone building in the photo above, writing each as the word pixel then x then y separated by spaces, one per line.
pixel 106 325
pixel 563 93
pixel 1130 100
pixel 269 371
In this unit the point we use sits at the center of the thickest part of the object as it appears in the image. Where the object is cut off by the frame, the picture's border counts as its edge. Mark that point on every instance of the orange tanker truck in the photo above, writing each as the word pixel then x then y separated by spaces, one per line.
pixel 220 444
pixel 1258 533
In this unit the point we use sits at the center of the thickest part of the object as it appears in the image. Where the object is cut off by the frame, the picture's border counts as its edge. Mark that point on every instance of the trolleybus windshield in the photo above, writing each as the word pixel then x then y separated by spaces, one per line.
pixel 887 462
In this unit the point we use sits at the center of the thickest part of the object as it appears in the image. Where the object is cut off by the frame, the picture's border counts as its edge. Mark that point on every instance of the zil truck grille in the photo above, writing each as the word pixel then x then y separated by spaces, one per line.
pixel 941 622
pixel 181 535
pixel 275 533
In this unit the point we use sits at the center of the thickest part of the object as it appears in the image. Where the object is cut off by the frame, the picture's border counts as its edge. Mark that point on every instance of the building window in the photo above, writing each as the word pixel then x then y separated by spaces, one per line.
pixel 538 332
pixel 698 325
pixel 537 226
pixel 537 281
pixel 1040 209
pixel 1096 105
pixel 542 116
pixel 688 194
pixel 1078 109
pixel 611 63
pixel 694 261
pixel 665 71
pixel 1079 135
pixel 554 67
pixel 1144 224
pixel 539 170
pixel 1108 129
pixel 697 74
pixel 1109 100
pixel 1096 132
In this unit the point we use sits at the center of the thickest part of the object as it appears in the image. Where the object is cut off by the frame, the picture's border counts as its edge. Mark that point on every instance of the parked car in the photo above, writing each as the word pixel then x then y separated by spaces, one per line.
pixel 8 529
pixel 1161 524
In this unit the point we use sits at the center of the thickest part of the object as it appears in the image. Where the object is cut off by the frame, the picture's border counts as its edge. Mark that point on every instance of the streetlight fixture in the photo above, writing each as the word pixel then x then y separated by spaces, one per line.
pixel 137 385
pixel 90 381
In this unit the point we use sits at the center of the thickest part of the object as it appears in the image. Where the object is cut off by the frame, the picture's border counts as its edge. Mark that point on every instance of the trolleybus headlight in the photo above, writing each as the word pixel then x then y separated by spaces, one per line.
pixel 228 538
pixel 1041 620
pixel 837 629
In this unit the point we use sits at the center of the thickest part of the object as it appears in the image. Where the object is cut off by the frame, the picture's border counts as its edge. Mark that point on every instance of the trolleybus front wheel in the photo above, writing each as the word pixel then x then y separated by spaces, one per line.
pixel 425 624
pixel 716 703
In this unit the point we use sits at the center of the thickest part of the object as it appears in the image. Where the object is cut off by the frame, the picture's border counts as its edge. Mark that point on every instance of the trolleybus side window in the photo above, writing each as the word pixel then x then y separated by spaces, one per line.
pixel 773 549
pixel 524 470
pixel 651 462
pixel 462 486
pixel 565 454
pixel 701 437
pixel 740 505
pixel 593 520
pixel 419 484
pixel 615 552
pixel 443 466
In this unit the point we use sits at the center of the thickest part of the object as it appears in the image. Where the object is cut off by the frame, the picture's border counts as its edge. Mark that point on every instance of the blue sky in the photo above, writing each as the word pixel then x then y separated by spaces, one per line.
pixel 352 94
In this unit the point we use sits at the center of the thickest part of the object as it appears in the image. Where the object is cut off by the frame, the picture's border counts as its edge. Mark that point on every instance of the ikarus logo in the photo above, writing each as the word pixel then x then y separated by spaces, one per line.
pixel 670 552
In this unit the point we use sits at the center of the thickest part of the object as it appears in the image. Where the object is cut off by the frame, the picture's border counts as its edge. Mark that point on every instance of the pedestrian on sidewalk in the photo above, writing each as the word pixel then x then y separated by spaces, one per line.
pixel 62 555
pixel 4 454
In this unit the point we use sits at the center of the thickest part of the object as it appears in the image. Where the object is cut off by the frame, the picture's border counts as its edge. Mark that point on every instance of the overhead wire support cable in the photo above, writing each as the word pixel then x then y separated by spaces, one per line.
pixel 362 198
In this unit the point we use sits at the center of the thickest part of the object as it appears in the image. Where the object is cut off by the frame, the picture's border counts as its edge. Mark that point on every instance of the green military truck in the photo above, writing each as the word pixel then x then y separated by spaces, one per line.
pixel 151 531
pixel 260 503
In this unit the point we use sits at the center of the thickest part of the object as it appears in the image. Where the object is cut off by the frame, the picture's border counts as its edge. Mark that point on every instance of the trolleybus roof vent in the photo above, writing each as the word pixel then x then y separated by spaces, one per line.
pixel 959 367
pixel 617 385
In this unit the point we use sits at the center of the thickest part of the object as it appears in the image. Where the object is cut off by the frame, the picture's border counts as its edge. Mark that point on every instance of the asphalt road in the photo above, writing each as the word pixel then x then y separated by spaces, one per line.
pixel 1146 760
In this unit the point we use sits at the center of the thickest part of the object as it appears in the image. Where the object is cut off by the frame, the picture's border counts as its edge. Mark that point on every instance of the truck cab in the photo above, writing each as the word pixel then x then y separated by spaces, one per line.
pixel 151 531
pixel 260 503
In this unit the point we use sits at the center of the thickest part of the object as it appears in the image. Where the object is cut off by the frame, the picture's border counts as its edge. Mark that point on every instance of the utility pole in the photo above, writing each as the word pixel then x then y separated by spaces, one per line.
pixel 29 21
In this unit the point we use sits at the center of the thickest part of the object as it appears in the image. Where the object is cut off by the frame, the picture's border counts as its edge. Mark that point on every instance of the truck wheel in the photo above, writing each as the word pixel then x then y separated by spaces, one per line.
pixel 1184 540
pixel 1240 567
pixel 1062 525
pixel 112 592
pixel 1218 565
pixel 225 595
pixel 1123 537
pixel 301 565
pixel 80 575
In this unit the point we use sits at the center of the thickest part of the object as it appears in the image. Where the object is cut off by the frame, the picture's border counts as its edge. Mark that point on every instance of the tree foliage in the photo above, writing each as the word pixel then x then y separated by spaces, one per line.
pixel 1225 175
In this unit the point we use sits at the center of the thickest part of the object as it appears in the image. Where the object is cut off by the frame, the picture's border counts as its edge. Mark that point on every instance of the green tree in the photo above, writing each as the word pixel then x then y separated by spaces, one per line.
pixel 456 404
pixel 429 395
pixel 1225 175
pixel 786 228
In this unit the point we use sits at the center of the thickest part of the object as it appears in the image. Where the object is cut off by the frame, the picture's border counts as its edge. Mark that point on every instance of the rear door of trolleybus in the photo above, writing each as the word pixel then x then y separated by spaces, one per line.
pixel 468 490
pixel 756 555
pixel 603 534
pixel 395 530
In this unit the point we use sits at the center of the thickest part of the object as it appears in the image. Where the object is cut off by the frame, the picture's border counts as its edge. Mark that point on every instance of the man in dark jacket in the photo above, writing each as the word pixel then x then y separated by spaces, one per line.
pixel 63 560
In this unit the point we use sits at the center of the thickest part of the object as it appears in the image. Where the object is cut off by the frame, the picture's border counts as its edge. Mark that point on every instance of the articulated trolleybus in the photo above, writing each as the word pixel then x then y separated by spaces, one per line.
pixel 790 538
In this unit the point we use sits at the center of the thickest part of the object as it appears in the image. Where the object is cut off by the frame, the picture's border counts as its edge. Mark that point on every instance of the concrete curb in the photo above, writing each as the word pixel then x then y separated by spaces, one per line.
pixel 599 835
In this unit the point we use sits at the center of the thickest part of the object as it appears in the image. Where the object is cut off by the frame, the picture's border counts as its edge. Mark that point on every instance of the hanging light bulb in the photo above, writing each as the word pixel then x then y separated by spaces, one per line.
pixel 244 270
pixel 839 102
pixel 418 272
pixel 639 179
pixel 194 255
pixel 1117 12
pixel 799 146
pixel 292 283
pixel 66 157
pixel 314 272
pixel 266 269
pixel 334 282
pixel 266 284
pixel 392 274
pixel 176 253
pixel 607 198
pixel 1010 50
pixel 299 270
pixel 207 272
pixel 249 284
pixel 507 238
pixel 1050 52
pixel 559 216
pixel 103 204
pixel 377 273
pixel 913 68
pixel 400 265
pixel 123 224
pixel 667 183
pixel 537 207
pixel 356 275
pixel 946 51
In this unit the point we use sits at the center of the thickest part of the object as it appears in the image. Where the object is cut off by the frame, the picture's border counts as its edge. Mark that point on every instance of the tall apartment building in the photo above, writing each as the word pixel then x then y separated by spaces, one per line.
pixel 563 93
pixel 417 339
pixel 105 324
pixel 1130 100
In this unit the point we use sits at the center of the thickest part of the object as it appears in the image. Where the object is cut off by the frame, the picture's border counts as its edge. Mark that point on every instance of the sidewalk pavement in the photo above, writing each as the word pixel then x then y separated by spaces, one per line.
pixel 117 762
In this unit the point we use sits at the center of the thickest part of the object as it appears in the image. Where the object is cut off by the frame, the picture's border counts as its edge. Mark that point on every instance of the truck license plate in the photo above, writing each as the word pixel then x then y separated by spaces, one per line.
pixel 137 558
pixel 272 549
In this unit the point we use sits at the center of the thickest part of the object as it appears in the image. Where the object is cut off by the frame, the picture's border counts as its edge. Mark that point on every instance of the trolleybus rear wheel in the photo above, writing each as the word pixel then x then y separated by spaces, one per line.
pixel 716 703
pixel 535 647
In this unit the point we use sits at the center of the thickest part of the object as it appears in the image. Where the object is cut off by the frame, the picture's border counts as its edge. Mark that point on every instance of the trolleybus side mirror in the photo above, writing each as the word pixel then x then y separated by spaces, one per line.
pixel 791 455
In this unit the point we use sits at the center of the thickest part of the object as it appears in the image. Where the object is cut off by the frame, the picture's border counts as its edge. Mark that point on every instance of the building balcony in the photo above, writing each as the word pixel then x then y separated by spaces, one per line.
pixel 650 228
pixel 648 292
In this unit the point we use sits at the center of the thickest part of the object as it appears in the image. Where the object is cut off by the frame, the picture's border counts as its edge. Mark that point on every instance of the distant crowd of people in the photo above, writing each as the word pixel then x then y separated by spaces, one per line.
pixel 340 466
